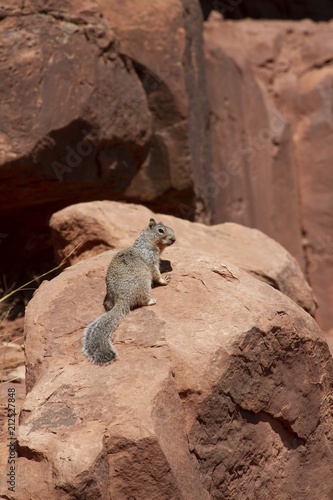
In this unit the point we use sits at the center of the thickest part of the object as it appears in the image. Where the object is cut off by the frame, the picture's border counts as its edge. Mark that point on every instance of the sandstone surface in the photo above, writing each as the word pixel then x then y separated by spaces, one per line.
pixel 221 390
pixel 99 100
pixel 253 180
pixel 101 225
pixel 271 138
pixel 164 41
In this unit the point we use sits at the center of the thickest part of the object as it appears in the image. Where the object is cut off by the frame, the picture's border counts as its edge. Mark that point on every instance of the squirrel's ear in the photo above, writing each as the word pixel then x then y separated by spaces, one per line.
pixel 152 223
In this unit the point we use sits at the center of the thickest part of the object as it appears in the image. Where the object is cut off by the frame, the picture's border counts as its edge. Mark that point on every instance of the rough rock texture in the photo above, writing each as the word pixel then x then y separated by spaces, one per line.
pixel 97 226
pixel 221 390
pixel 271 137
pixel 99 100
pixel 164 40
pixel 56 109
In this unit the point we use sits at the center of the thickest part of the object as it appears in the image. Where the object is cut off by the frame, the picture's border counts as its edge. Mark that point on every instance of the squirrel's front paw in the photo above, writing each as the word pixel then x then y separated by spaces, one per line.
pixel 165 280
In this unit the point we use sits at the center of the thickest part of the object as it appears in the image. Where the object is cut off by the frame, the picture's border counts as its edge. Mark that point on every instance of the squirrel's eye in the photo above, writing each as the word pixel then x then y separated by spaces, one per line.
pixel 160 230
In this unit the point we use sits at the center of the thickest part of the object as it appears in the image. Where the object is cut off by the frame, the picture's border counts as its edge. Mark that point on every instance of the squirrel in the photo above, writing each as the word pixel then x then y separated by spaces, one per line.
pixel 128 282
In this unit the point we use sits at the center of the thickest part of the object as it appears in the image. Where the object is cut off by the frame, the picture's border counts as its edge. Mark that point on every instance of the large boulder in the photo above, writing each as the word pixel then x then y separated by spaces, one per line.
pixel 253 178
pixel 84 104
pixel 271 137
pixel 164 41
pixel 86 229
pixel 65 106
pixel 221 390
pixel 88 114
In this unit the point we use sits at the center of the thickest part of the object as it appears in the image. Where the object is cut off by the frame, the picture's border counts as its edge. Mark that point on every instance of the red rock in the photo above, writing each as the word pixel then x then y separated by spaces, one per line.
pixel 101 225
pixel 83 133
pixel 271 118
pixel 253 179
pixel 164 40
pixel 58 127
pixel 93 108
pixel 221 390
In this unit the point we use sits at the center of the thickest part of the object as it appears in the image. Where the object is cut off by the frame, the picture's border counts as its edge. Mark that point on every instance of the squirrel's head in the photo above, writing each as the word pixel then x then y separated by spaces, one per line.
pixel 163 235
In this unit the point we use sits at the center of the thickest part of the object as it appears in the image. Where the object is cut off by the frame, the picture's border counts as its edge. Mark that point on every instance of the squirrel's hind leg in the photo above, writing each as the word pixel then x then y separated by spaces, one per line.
pixel 146 301
pixel 143 296
pixel 108 302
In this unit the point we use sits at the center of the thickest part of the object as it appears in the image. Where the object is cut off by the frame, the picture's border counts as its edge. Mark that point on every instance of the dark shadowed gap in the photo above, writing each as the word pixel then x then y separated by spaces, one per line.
pixel 320 10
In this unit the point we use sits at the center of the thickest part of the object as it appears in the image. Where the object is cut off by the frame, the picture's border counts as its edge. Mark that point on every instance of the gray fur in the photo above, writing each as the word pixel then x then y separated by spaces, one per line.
pixel 128 282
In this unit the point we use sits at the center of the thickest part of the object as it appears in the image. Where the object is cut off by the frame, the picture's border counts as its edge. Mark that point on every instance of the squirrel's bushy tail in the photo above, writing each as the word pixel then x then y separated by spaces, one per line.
pixel 96 338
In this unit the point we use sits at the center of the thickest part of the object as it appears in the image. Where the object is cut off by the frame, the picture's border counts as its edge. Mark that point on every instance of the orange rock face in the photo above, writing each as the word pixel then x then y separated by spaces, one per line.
pixel 271 138
pixel 221 390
